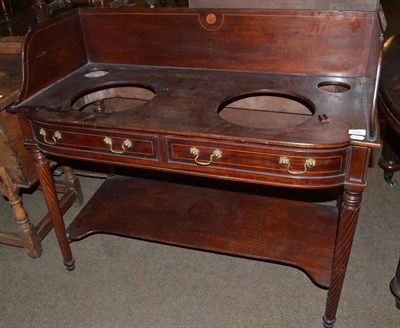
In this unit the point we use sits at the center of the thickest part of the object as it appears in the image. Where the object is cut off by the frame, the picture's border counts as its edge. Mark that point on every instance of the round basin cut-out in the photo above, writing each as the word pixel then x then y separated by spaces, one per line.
pixel 95 73
pixel 113 99
pixel 266 111
pixel 334 87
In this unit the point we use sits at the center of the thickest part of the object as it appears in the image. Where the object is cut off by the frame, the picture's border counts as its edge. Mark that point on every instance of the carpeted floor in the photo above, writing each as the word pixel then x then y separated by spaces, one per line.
pixel 120 282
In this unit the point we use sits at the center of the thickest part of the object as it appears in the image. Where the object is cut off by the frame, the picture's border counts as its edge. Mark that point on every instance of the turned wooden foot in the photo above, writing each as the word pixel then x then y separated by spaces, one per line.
pixel 328 323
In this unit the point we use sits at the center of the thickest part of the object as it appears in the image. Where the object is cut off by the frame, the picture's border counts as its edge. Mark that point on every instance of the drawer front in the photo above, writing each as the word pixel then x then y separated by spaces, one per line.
pixel 128 145
pixel 256 159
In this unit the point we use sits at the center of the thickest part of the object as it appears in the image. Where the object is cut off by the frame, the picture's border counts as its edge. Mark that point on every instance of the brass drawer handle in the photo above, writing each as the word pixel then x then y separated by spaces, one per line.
pixel 309 163
pixel 215 154
pixel 55 137
pixel 126 144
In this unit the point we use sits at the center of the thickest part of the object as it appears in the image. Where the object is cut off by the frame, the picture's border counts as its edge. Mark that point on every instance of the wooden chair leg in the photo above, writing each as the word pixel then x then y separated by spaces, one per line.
pixel 72 182
pixel 28 237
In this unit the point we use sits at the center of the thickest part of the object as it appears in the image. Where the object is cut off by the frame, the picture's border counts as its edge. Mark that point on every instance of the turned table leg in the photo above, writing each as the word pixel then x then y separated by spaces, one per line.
pixel 395 286
pixel 390 159
pixel 28 236
pixel 50 196
pixel 347 224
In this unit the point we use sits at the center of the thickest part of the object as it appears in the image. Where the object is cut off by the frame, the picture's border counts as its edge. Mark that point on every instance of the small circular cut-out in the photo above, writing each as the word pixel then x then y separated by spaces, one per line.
pixel 96 73
pixel 211 19
pixel 113 99
pixel 266 110
pixel 334 87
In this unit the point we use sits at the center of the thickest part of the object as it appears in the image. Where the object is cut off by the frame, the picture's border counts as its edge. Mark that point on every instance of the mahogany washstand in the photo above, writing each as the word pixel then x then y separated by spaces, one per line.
pixel 227 96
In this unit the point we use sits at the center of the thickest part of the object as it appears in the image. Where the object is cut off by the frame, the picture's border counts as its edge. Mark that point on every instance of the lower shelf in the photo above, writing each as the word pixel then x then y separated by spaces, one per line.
pixel 295 233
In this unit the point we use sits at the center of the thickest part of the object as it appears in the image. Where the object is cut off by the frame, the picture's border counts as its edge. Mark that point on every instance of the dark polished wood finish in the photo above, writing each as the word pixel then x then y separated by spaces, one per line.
pixel 50 195
pixel 231 97
pixel 239 223
pixel 389 106
pixel 17 170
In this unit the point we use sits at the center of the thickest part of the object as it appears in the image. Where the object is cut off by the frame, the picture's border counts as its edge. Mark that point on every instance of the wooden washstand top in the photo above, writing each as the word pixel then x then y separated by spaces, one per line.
pixel 197 61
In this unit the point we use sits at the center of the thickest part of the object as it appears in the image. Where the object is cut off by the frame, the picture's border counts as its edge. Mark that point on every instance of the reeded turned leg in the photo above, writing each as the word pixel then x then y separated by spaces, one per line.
pixel 395 286
pixel 50 196
pixel 349 211
pixel 28 237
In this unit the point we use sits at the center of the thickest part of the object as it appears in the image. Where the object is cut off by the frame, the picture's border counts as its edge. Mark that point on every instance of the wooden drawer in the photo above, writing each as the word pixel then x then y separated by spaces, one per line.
pixel 256 159
pixel 126 145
